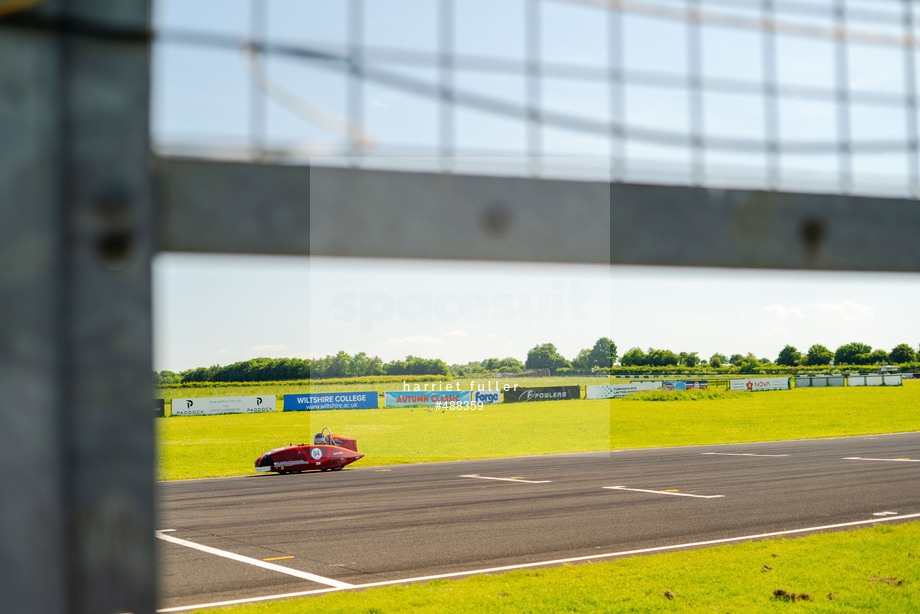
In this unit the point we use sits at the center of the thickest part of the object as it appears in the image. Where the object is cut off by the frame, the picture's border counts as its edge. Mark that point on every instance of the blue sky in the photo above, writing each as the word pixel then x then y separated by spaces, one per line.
pixel 218 310
pixel 202 94
pixel 222 309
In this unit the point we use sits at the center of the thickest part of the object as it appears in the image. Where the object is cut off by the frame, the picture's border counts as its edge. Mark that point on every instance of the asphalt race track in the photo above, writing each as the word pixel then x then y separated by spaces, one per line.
pixel 261 536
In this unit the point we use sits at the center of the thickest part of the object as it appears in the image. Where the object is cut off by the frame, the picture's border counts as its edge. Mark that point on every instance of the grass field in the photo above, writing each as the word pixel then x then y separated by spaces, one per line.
pixel 211 446
pixel 869 570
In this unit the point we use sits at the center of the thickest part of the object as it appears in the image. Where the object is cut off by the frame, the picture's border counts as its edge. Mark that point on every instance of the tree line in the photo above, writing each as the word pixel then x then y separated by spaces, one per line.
pixel 281 369
pixel 853 353
pixel 601 358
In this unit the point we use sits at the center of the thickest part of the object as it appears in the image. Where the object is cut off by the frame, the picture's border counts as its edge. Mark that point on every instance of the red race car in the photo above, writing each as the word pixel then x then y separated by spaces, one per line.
pixel 328 451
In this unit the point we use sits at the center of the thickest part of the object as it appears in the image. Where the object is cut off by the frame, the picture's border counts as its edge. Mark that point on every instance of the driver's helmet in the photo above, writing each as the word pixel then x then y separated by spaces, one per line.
pixel 319 439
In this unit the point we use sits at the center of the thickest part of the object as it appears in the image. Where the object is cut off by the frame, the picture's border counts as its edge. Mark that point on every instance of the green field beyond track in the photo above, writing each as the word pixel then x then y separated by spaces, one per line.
pixel 870 570
pixel 211 446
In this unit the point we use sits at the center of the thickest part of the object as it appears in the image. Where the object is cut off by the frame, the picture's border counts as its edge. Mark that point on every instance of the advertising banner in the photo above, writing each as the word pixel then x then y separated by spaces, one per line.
pixel 330 400
pixel 486 397
pixel 686 384
pixel 542 393
pixel 759 383
pixel 425 398
pixel 616 391
pixel 209 406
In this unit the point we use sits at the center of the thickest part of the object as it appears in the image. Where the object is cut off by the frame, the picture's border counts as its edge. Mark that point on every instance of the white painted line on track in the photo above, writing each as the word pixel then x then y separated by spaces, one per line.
pixel 577 559
pixel 303 575
pixel 742 454
pixel 483 477
pixel 885 514
pixel 664 492
pixel 885 460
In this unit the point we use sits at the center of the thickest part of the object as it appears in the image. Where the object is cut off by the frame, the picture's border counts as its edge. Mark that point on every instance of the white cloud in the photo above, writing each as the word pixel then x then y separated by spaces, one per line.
pixel 457 333
pixel 776 331
pixel 785 312
pixel 267 348
pixel 415 339
pixel 846 310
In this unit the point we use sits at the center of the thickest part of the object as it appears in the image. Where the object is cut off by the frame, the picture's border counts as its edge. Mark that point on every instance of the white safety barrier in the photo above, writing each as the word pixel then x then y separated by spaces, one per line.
pixel 760 383
pixel 210 406
pixel 615 391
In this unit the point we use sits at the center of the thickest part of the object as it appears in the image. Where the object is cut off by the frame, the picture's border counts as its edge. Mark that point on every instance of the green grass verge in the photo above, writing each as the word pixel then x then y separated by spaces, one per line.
pixel 212 446
pixel 869 570
pixel 802 413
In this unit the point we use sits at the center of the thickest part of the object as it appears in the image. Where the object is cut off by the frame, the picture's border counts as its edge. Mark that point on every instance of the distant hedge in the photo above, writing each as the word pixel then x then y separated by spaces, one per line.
pixel 368 379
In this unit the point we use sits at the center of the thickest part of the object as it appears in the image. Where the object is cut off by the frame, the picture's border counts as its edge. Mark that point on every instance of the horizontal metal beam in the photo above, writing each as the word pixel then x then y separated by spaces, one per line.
pixel 775 230
pixel 208 206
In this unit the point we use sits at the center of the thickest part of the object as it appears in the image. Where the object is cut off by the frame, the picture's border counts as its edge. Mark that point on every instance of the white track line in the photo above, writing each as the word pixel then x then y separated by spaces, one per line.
pixel 303 575
pixel 577 559
pixel 885 460
pixel 482 477
pixel 664 492
pixel 742 454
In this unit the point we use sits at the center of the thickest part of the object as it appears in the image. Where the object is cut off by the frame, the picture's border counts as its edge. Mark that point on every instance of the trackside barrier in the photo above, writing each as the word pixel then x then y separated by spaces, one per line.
pixel 330 400
pixel 209 406
pixel 890 379
pixel 685 384
pixel 760 383
pixel 819 381
pixel 206 406
pixel 425 398
pixel 542 393
pixel 872 379
pixel 486 397
pixel 616 391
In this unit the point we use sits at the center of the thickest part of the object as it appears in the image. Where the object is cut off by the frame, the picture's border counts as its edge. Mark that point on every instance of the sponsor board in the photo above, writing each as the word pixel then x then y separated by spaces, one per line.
pixel 330 400
pixel 682 384
pixel 209 406
pixel 616 391
pixel 424 398
pixel 759 383
pixel 874 380
pixel 542 393
pixel 486 397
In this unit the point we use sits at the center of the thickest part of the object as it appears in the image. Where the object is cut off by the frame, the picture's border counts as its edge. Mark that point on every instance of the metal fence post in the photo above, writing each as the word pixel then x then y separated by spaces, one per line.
pixel 76 435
